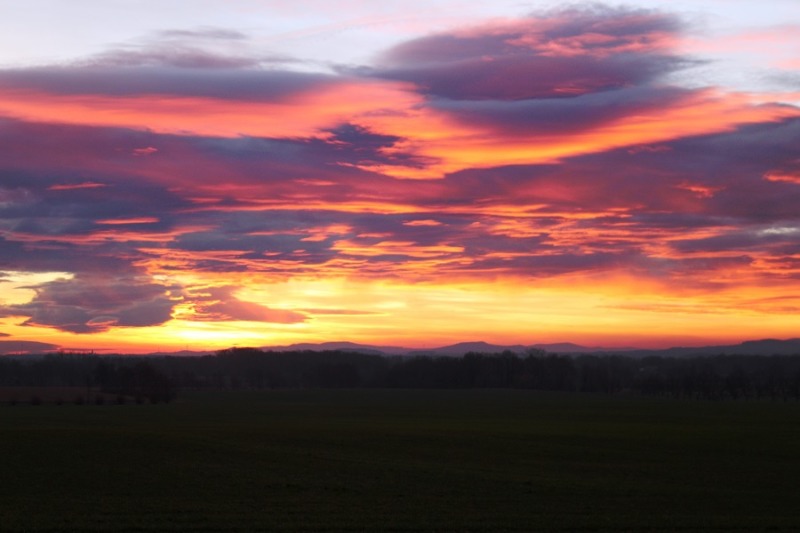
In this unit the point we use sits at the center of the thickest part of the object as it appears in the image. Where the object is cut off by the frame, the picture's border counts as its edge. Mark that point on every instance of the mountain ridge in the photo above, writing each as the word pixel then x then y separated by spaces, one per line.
pixel 749 347
pixel 765 347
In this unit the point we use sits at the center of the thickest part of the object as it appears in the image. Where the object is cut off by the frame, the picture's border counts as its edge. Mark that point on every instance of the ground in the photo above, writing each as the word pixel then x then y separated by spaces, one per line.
pixel 361 460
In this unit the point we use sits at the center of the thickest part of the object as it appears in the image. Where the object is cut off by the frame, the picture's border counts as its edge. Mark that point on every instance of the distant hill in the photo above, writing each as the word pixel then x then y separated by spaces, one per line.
pixel 182 353
pixel 454 350
pixel 570 348
pixel 465 347
pixel 755 347
pixel 758 347
pixel 344 346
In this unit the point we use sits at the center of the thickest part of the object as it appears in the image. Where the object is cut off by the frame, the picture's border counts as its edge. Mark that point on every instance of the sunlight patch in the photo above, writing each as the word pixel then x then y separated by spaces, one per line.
pixel 15 286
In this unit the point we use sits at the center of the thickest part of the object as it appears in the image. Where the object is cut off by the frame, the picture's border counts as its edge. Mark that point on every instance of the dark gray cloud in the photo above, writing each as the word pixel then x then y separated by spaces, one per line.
pixel 132 206
pixel 206 201
pixel 221 304
pixel 560 54
pixel 275 246
pixel 780 240
pixel 64 180
pixel 543 266
pixel 562 115
pixel 203 48
pixel 185 57
pixel 226 82
pixel 710 179
pixel 58 256
pixel 592 27
pixel 526 77
pixel 16 347
pixel 679 186
pixel 204 33
pixel 91 304
pixel 205 62
pixel 354 144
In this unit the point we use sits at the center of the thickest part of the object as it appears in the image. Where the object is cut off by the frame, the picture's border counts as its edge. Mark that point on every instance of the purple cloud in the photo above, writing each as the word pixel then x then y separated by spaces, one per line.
pixel 16 347
pixel 564 53
pixel 253 204
pixel 220 304
pixel 202 48
pixel 562 115
pixel 228 83
pixel 92 304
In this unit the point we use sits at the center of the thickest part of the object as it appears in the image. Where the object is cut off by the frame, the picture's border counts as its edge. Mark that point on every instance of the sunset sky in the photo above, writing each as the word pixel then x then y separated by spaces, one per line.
pixel 203 174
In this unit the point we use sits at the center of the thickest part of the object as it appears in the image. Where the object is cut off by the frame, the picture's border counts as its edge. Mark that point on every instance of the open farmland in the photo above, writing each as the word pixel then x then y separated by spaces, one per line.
pixel 401 460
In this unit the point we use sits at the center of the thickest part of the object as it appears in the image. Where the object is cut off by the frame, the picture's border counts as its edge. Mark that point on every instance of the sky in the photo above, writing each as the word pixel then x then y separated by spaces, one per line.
pixel 200 174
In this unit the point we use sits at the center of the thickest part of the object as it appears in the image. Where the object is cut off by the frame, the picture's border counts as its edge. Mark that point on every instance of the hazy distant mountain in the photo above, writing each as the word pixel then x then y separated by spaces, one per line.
pixel 771 346
pixel 759 347
pixel 15 347
pixel 568 347
pixel 465 347
pixel 455 350
pixel 483 347
pixel 345 346
pixel 183 353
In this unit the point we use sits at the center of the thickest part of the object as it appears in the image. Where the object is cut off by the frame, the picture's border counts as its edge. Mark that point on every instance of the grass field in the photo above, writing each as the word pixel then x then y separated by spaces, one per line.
pixel 59 396
pixel 489 460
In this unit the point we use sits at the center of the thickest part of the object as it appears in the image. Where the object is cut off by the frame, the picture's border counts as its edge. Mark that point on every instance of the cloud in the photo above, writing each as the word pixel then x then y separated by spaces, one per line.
pixel 557 148
pixel 476 97
pixel 166 99
pixel 92 304
pixel 17 347
pixel 204 62
pixel 776 239
pixel 202 48
pixel 521 220
pixel 221 304
pixel 58 256
pixel 563 115
pixel 549 87
pixel 127 80
pixel 303 205
pixel 564 53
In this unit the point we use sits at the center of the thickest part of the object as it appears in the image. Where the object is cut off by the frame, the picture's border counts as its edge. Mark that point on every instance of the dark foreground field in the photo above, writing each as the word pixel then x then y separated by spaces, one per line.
pixel 401 460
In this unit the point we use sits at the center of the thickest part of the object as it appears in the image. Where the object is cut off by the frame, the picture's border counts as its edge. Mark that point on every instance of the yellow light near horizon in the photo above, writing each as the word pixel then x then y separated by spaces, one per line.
pixel 588 309
pixel 591 309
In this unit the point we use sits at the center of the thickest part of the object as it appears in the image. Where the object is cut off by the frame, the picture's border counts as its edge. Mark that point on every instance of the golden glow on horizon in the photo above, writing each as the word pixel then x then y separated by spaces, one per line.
pixel 612 310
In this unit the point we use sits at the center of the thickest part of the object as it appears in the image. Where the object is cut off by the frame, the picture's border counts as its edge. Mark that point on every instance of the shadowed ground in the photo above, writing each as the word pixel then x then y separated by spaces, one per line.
pixel 401 460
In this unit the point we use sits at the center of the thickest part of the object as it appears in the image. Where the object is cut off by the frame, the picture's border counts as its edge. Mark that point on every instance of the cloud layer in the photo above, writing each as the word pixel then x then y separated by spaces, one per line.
pixel 167 179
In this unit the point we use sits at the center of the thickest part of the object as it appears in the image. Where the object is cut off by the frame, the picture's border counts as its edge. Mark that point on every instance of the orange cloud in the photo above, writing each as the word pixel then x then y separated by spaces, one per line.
pixel 303 115
pixel 454 145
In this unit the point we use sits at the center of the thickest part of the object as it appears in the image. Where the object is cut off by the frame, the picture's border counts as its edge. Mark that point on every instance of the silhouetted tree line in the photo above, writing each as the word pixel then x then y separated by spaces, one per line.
pixel 250 368
pixel 702 377
pixel 138 378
